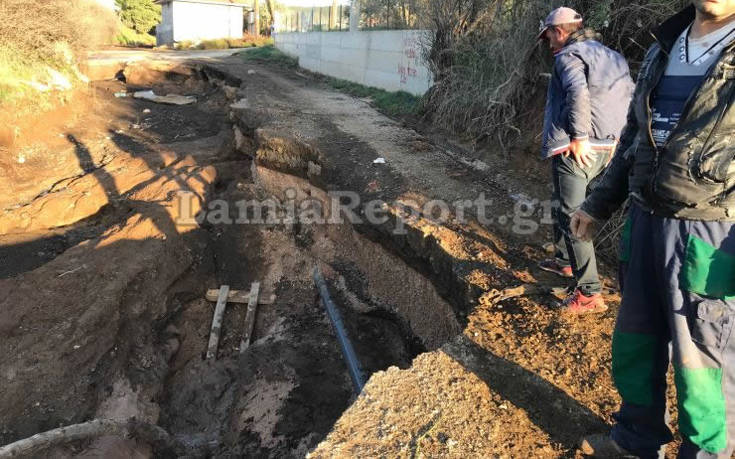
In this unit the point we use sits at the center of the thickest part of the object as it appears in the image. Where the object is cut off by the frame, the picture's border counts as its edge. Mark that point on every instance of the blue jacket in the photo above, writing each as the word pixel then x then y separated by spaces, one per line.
pixel 589 95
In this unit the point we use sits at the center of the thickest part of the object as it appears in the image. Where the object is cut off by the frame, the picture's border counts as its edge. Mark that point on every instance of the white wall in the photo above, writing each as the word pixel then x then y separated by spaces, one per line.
pixel 195 21
pixel 165 30
pixel 387 59
pixel 110 4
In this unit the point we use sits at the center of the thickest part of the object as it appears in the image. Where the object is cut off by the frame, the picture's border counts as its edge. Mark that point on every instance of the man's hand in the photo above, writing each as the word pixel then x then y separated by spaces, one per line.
pixel 583 226
pixel 582 151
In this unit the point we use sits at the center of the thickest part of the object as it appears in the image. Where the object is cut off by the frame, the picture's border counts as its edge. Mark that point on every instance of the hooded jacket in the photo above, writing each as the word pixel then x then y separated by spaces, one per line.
pixel 692 175
pixel 588 97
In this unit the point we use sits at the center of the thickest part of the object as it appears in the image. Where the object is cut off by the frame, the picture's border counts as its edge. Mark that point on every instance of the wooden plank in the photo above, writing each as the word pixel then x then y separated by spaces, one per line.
pixel 250 317
pixel 219 313
pixel 241 297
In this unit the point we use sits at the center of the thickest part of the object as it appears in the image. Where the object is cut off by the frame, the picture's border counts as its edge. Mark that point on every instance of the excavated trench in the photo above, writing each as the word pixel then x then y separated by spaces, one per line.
pixel 285 392
pixel 282 395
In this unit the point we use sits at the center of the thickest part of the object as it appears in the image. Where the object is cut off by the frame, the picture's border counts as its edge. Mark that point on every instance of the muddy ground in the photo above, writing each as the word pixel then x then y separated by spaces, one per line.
pixel 103 283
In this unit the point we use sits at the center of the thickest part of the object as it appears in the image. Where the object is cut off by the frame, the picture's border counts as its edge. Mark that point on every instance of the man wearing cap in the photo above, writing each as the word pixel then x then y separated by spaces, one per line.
pixel 675 162
pixel 587 101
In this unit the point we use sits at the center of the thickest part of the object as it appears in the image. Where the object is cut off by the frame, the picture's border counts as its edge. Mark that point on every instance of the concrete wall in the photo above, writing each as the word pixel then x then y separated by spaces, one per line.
pixel 165 30
pixel 387 59
pixel 199 20
pixel 110 4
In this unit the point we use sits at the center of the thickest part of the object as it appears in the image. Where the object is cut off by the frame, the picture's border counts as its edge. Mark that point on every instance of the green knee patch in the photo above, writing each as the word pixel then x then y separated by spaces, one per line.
pixel 632 366
pixel 708 271
pixel 702 407
pixel 625 240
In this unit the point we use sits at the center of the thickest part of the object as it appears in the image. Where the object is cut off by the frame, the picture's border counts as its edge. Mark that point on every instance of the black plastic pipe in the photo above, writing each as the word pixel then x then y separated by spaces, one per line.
pixel 353 365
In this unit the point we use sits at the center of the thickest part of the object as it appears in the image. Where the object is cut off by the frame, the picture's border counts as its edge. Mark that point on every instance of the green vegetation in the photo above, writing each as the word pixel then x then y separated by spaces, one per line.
pixel 139 15
pixel 138 19
pixel 392 103
pixel 398 103
pixel 269 54
pixel 131 37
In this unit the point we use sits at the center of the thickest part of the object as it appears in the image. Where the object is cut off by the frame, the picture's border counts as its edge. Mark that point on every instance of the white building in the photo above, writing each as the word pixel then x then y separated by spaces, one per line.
pixel 195 20
pixel 109 4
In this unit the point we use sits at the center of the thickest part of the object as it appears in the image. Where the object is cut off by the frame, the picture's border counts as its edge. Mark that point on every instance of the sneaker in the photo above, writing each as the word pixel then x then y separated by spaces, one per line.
pixel 555 267
pixel 579 304
pixel 601 445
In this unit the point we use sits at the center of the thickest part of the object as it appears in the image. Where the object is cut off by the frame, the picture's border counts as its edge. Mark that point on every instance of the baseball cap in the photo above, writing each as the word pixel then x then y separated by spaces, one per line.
pixel 557 17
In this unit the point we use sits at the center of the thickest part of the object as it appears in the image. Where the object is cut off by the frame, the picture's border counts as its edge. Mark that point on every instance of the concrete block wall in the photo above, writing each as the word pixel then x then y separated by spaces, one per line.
pixel 387 59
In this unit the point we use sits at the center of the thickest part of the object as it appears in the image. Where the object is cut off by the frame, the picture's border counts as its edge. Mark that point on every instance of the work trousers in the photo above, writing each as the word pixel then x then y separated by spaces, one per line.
pixel 570 190
pixel 678 306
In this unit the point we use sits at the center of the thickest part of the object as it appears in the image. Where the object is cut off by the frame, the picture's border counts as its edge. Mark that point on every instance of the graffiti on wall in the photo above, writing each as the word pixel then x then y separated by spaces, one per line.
pixel 410 58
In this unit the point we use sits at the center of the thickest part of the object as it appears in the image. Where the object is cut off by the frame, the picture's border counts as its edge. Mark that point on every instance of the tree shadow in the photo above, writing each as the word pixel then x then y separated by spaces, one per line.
pixel 24 252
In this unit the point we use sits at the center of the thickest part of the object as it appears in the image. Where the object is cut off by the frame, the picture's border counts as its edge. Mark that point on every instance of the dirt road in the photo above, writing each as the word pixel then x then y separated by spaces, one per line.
pixel 104 282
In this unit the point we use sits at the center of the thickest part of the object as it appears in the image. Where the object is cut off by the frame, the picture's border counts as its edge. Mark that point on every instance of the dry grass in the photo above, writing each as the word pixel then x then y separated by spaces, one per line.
pixel 247 41
pixel 607 243
pixel 43 35
pixel 35 28
pixel 487 67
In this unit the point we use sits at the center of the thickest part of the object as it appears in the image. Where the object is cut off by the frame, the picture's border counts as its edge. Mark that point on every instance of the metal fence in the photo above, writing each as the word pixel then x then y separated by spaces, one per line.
pixel 337 18
pixel 314 19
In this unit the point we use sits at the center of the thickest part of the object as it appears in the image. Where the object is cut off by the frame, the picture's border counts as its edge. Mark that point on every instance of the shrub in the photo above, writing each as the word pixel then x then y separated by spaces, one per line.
pixel 248 41
pixel 129 37
pixel 487 65
pixel 139 15
pixel 219 43
pixel 35 31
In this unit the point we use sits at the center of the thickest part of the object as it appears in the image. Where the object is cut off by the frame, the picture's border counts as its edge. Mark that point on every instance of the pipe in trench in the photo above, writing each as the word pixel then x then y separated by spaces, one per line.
pixel 353 365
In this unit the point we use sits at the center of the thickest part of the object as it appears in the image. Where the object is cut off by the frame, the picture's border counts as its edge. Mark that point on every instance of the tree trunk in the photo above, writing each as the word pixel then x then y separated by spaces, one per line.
pixel 355 16
pixel 271 13
pixel 256 8
pixel 333 14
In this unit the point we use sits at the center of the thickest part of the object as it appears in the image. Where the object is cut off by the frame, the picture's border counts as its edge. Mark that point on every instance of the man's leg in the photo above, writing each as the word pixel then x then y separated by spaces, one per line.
pixel 701 273
pixel 641 342
pixel 561 252
pixel 571 181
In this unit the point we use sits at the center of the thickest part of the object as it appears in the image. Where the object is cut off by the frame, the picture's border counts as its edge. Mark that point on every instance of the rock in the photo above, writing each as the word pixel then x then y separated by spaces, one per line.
pixel 285 153
pixel 239 138
pixel 240 104
pixel 230 92
pixel 148 73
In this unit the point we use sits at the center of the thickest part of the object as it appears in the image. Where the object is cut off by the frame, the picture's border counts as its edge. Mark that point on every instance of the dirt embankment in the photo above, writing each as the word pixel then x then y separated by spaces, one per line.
pixel 519 366
pixel 106 309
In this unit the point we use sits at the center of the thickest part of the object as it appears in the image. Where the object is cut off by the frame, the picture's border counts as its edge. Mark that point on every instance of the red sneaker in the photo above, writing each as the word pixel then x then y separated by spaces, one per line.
pixel 578 304
pixel 553 266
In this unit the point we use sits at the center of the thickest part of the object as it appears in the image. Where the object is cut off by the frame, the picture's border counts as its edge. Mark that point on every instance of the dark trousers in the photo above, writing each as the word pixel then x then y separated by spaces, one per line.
pixel 678 306
pixel 570 190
